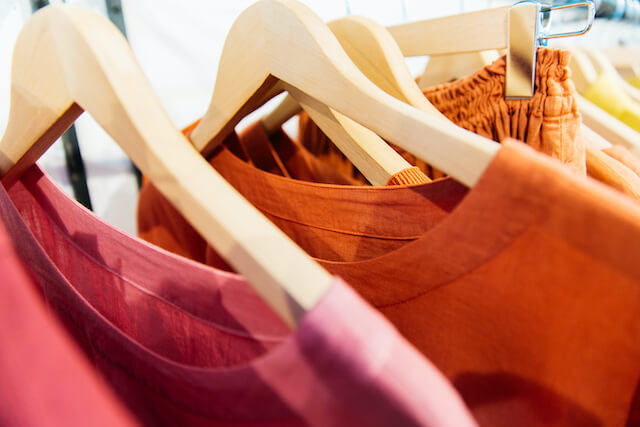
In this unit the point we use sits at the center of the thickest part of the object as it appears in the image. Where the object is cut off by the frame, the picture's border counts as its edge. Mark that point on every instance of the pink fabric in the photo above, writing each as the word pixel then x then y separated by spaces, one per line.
pixel 45 380
pixel 184 344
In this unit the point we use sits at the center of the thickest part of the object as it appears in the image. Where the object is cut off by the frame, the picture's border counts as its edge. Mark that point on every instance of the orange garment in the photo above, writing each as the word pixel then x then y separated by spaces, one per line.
pixel 547 122
pixel 524 290
pixel 606 168
pixel 625 157
pixel 283 156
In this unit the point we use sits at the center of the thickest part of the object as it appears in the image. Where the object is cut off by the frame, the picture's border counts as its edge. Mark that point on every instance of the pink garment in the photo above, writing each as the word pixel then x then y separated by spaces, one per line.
pixel 185 344
pixel 45 380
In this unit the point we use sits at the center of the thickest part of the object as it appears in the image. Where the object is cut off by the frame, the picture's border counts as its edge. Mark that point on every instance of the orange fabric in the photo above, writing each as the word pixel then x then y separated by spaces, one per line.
pixel 409 176
pixel 609 170
pixel 277 154
pixel 625 157
pixel 319 144
pixel 314 140
pixel 548 122
pixel 524 290
pixel 282 156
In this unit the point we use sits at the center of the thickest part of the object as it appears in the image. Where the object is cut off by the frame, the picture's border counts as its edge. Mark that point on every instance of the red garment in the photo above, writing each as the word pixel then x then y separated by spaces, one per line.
pixel 184 344
pixel 45 379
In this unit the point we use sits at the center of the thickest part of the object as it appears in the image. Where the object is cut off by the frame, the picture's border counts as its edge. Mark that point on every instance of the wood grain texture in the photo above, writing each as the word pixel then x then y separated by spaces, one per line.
pixel 466 32
pixel 68 59
pixel 286 40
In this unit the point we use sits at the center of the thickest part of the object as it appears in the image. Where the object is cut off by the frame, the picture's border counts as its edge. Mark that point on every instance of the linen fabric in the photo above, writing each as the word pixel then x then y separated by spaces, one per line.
pixel 548 122
pixel 624 156
pixel 616 167
pixel 184 344
pixel 519 290
pixel 46 381
pixel 279 154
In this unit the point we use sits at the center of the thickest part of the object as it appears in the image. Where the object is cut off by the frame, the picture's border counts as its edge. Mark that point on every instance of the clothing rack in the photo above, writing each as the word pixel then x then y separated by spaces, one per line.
pixel 619 10
pixel 114 10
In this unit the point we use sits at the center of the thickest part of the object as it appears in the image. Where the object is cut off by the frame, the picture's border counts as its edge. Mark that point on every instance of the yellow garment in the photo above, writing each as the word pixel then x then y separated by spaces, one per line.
pixel 606 94
pixel 634 81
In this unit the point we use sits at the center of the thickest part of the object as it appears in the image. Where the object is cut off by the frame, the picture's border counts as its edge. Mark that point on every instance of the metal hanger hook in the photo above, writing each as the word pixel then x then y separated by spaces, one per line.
pixel 591 15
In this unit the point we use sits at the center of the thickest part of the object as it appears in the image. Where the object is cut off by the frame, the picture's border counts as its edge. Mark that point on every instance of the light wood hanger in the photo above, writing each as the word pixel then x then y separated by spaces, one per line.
pixel 376 54
pixel 371 155
pixel 475 31
pixel 68 59
pixel 276 40
pixel 626 59
pixel 594 139
pixel 607 126
pixel 583 73
pixel 445 68
pixel 602 64
pixel 515 28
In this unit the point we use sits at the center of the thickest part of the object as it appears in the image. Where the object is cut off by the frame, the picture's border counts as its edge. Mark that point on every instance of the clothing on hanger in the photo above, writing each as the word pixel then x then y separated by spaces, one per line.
pixel 606 94
pixel 548 122
pixel 488 282
pixel 45 377
pixel 507 295
pixel 184 344
pixel 284 157
pixel 613 167
pixel 624 156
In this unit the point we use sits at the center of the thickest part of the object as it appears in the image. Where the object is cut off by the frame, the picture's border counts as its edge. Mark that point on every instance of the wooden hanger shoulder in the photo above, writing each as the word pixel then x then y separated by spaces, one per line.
pixel 607 126
pixel 68 59
pixel 376 54
pixel 445 68
pixel 294 45
pixel 626 59
pixel 583 73
pixel 467 32
pixel 371 155
pixel 602 64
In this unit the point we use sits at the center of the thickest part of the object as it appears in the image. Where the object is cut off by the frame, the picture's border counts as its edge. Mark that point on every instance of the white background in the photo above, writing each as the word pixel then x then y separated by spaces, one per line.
pixel 178 44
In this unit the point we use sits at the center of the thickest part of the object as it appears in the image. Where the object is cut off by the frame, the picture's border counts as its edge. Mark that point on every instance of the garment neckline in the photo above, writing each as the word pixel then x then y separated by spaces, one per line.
pixel 482 225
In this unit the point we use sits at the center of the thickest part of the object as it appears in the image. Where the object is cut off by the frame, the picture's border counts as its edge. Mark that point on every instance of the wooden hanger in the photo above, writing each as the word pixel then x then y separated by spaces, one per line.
pixel 276 40
pixel 371 155
pixel 626 59
pixel 68 59
pixel 583 73
pixel 602 65
pixel 481 30
pixel 446 68
pixel 515 28
pixel 376 54
pixel 607 126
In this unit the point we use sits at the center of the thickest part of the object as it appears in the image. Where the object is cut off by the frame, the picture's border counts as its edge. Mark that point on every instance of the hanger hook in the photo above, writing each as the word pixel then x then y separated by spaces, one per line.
pixel 591 15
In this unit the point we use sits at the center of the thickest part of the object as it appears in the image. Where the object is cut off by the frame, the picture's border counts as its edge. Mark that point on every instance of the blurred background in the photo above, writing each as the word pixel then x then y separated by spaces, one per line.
pixel 178 45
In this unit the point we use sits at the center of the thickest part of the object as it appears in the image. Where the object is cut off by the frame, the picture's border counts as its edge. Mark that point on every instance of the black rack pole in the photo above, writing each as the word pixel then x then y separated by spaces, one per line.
pixel 73 158
pixel 114 9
